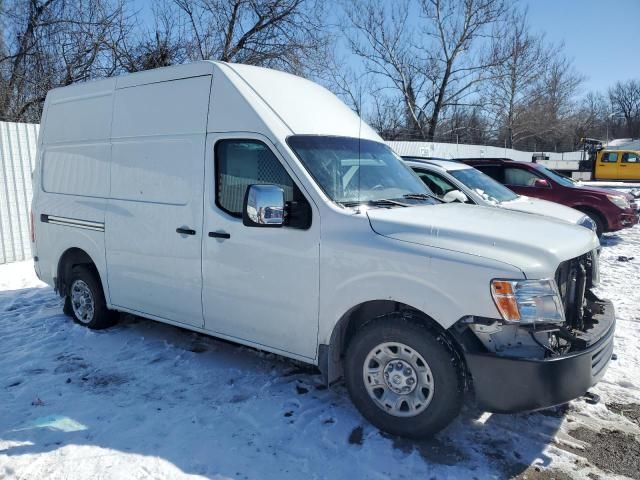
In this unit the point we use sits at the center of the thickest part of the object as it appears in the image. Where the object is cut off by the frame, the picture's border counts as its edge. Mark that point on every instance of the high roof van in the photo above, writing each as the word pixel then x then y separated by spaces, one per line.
pixel 254 206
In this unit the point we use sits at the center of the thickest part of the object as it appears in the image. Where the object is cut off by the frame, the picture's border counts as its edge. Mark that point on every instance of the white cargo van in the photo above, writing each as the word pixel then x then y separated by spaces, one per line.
pixel 253 205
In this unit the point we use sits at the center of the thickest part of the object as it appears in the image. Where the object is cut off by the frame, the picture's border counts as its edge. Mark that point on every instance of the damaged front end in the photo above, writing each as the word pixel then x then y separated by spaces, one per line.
pixel 556 349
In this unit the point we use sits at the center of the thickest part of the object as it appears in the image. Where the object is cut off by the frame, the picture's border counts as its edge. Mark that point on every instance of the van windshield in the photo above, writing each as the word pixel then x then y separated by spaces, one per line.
pixel 352 171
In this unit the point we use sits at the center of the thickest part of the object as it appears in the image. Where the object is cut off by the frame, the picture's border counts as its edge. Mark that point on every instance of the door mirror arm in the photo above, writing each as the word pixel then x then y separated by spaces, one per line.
pixel 297 214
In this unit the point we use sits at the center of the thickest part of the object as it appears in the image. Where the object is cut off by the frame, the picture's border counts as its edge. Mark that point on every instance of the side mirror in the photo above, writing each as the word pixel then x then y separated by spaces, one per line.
pixel 455 196
pixel 263 206
pixel 541 183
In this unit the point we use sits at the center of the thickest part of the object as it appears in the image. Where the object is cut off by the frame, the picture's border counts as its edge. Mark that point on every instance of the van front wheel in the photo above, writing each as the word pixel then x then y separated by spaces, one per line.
pixel 85 300
pixel 401 377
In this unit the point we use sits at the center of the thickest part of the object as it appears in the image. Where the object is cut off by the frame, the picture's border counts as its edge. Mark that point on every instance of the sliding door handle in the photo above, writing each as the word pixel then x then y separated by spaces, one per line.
pixel 219 235
pixel 185 231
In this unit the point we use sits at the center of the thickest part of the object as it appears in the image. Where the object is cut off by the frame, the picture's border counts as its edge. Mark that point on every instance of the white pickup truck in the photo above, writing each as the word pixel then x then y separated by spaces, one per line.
pixel 254 206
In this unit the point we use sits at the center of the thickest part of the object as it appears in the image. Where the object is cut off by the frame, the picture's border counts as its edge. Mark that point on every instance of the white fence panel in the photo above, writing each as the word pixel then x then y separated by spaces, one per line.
pixel 453 150
pixel 17 159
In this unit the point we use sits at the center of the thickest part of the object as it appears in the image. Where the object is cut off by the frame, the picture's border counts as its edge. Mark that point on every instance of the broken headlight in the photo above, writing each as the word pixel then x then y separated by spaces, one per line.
pixel 528 302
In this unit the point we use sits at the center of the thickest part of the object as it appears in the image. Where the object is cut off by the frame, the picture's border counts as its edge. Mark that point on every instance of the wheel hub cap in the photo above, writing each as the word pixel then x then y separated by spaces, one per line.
pixel 398 379
pixel 82 301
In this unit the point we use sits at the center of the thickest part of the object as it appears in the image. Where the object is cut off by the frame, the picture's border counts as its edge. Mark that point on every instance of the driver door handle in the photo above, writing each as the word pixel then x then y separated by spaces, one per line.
pixel 185 231
pixel 219 235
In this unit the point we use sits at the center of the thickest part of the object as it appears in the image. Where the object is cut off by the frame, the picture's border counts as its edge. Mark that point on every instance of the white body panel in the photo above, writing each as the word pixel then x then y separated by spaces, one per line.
pixel 261 285
pixel 136 157
pixel 524 241
pixel 157 169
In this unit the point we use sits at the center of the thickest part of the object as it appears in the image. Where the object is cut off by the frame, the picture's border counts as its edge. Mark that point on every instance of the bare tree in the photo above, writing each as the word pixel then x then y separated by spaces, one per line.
pixel 160 45
pixel 284 34
pixel 52 43
pixel 353 87
pixel 550 114
pixel 430 54
pixel 382 37
pixel 458 25
pixel 590 117
pixel 514 83
pixel 465 125
pixel 625 99
pixel 387 118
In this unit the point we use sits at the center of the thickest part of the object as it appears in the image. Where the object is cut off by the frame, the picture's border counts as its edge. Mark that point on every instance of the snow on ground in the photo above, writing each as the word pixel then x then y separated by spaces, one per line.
pixel 627 185
pixel 148 400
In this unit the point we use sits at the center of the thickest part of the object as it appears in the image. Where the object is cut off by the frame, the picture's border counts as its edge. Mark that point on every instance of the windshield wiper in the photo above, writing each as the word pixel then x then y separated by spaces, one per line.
pixel 420 196
pixel 384 202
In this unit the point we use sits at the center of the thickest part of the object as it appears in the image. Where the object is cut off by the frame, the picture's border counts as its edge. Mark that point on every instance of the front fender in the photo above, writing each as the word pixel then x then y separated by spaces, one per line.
pixel 442 284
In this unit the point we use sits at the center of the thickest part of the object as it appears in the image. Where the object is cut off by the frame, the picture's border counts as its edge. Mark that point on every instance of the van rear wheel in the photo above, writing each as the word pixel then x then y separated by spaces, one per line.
pixel 85 301
pixel 400 376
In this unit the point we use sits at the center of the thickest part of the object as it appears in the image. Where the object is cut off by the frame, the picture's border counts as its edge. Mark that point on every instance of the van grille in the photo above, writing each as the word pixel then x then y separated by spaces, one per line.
pixel 574 278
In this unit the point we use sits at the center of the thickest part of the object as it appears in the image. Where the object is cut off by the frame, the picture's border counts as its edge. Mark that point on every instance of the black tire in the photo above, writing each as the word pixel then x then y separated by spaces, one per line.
pixel 101 317
pixel 448 390
pixel 598 220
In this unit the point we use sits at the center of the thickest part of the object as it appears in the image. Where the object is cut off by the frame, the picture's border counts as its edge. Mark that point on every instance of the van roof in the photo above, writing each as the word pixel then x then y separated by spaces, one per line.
pixel 304 107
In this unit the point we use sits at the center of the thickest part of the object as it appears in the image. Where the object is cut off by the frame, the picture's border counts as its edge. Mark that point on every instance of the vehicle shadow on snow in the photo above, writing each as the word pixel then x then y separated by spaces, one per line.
pixel 610 240
pixel 210 407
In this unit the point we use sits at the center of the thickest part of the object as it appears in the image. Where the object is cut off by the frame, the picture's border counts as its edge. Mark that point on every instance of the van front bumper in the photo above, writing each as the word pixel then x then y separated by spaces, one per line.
pixel 508 385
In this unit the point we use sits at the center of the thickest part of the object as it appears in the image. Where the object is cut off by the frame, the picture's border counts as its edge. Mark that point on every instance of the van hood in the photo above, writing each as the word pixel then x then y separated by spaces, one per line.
pixel 534 244
pixel 544 207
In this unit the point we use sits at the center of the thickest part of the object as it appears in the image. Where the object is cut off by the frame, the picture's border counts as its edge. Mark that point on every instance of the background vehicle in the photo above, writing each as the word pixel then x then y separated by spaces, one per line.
pixel 617 165
pixel 255 206
pixel 610 210
pixel 446 177
pixel 619 162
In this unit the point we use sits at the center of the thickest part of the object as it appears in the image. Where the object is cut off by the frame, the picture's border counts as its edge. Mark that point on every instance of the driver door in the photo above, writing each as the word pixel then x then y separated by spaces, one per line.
pixel 607 165
pixel 260 285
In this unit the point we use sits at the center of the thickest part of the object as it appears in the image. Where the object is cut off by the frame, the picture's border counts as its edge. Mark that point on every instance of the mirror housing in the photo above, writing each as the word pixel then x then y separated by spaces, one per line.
pixel 263 206
pixel 455 196
pixel 541 183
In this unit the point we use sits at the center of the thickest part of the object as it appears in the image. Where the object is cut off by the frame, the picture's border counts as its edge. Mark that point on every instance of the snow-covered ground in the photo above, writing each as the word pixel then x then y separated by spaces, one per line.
pixel 626 185
pixel 146 400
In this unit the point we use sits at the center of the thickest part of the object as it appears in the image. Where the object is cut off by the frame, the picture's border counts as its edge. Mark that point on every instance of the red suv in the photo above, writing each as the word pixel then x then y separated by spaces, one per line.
pixel 610 210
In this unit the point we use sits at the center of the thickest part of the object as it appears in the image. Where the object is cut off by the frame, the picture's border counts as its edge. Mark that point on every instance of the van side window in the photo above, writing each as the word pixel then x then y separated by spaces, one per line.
pixel 240 163
pixel 609 157
pixel 629 157
pixel 519 177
